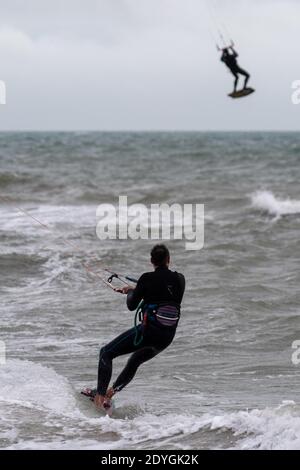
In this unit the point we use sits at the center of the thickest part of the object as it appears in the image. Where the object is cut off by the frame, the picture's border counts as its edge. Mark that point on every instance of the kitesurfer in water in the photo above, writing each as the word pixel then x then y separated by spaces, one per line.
pixel 160 293
pixel 229 57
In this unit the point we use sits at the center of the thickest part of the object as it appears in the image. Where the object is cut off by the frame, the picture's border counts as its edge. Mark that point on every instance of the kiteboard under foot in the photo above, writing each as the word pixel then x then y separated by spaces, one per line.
pixel 107 405
pixel 242 93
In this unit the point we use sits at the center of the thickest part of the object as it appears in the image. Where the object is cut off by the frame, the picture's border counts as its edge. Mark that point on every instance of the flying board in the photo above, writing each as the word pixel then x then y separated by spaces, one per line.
pixel 242 93
pixel 108 404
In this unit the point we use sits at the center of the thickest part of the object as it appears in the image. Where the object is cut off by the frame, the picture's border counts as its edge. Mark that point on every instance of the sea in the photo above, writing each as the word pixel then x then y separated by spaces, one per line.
pixel 231 378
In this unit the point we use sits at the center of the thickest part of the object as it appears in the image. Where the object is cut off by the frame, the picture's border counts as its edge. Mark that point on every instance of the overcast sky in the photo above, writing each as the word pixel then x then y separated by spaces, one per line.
pixel 146 64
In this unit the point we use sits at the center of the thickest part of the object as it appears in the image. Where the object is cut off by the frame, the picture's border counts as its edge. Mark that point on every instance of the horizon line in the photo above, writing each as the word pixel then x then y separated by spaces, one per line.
pixel 144 131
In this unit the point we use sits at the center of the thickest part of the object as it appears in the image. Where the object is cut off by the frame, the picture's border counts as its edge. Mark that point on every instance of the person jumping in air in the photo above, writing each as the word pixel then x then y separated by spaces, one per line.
pixel 158 294
pixel 229 56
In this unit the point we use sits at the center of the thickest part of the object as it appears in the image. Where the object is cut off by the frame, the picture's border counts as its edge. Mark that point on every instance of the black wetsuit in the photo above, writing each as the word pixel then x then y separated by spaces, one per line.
pixel 231 62
pixel 161 287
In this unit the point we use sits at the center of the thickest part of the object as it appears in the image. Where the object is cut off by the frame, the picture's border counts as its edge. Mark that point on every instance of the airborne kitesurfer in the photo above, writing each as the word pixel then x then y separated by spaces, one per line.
pixel 229 57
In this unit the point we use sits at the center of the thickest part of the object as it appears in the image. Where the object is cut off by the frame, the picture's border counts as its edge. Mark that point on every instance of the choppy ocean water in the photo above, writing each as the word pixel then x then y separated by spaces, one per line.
pixel 228 380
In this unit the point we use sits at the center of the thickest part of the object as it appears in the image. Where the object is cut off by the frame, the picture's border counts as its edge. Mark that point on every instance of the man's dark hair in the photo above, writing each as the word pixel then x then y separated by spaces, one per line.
pixel 160 255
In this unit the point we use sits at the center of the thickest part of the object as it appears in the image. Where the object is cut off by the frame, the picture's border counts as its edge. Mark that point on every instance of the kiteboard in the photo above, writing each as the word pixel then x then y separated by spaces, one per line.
pixel 108 404
pixel 242 93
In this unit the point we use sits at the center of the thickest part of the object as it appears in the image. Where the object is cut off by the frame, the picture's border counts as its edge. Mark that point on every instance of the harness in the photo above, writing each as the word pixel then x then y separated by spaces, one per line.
pixel 161 314
pixel 165 314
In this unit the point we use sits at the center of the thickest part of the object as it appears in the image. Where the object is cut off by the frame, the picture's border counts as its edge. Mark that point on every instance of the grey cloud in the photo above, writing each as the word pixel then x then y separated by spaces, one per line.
pixel 141 64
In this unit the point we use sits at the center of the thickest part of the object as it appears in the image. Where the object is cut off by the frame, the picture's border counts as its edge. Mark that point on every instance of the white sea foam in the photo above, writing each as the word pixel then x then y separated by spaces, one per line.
pixel 41 388
pixel 265 429
pixel 53 216
pixel 28 383
pixel 267 202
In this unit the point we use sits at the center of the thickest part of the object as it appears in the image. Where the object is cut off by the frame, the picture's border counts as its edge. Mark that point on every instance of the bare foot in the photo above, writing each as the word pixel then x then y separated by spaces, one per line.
pixel 110 393
pixel 99 400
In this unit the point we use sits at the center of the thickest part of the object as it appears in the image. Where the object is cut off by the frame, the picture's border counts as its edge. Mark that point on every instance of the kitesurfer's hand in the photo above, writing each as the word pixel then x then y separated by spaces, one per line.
pixel 124 290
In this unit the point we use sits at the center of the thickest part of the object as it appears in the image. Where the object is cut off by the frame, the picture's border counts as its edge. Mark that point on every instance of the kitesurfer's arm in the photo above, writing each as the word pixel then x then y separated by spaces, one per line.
pixel 181 284
pixel 235 54
pixel 134 296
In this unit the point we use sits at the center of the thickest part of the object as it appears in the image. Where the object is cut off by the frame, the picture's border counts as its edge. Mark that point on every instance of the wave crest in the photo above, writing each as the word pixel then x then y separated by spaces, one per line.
pixel 266 201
